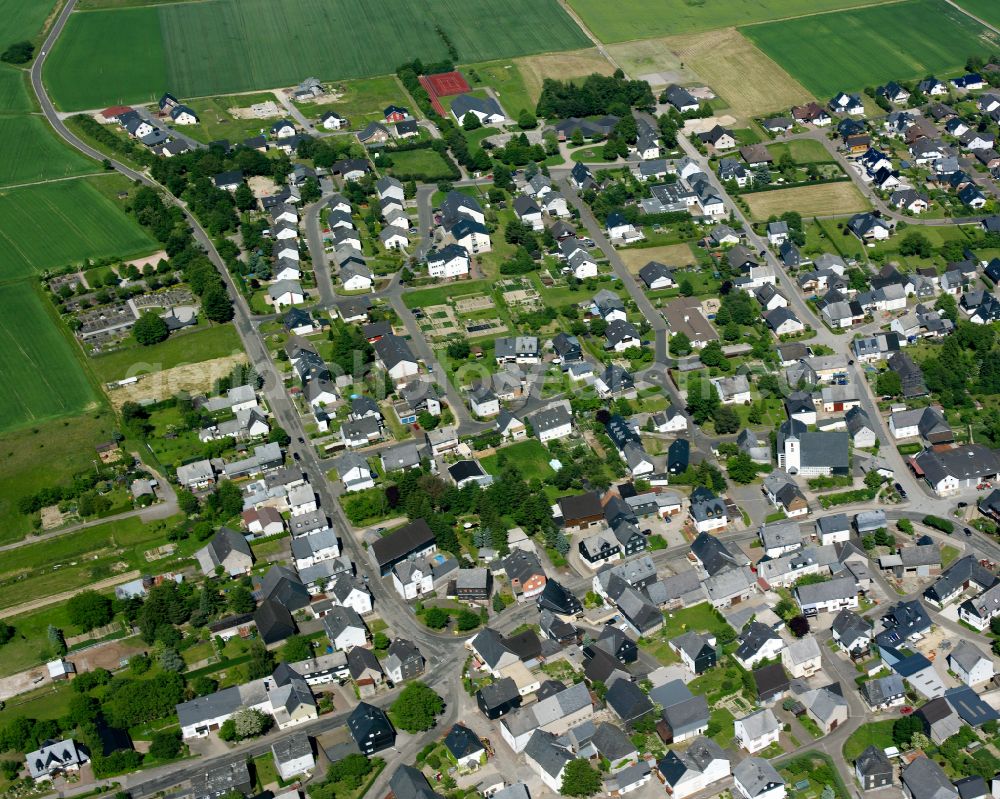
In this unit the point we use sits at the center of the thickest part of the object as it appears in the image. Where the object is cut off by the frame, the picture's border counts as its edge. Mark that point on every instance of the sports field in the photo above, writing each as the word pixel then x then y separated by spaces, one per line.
pixel 902 41
pixel 739 72
pixel 53 224
pixel 642 19
pixel 273 43
pixel 42 377
pixel 33 153
pixel 824 200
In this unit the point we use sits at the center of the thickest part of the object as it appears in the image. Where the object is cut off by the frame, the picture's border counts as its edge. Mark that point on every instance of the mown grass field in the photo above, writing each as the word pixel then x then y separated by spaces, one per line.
pixel 45 454
pixel 272 43
pixel 558 66
pixel 429 163
pixel 740 73
pixel 901 41
pixel 642 19
pixel 32 153
pixel 43 378
pixel 181 348
pixel 53 224
pixel 826 199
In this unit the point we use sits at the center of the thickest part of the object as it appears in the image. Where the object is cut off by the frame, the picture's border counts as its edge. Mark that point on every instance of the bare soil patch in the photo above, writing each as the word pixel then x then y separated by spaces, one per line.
pixel 193 377
pixel 670 254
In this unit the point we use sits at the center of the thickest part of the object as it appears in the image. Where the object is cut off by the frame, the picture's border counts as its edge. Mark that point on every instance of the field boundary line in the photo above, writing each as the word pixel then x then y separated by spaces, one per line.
pixel 831 11
pixel 969 14
pixel 12 186
pixel 601 48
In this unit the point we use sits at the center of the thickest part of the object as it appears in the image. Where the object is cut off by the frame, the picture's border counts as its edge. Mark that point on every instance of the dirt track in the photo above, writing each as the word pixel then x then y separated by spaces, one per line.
pixel 100 585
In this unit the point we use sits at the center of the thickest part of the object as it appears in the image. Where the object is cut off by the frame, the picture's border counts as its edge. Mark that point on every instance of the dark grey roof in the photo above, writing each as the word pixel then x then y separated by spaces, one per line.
pixel 414 536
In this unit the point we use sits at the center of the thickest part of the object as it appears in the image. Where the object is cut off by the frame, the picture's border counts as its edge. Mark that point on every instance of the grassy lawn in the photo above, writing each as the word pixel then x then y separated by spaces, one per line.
pixel 439 295
pixel 803 151
pixel 878 733
pixel 49 702
pixel 660 649
pixel 30 647
pixel 178 45
pixel 265 770
pixel 428 163
pixel 217 122
pixel 505 78
pixel 530 457
pixel 724 719
pixel 906 40
pixel 361 101
pixel 948 554
pixel 203 344
pixel 700 618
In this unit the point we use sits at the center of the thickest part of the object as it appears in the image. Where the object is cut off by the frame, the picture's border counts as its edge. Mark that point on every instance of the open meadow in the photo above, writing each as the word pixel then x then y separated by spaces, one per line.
pixel 849 50
pixel 43 378
pixel 88 225
pixel 361 101
pixel 749 81
pixel 276 43
pixel 45 454
pixel 642 19
pixel 826 199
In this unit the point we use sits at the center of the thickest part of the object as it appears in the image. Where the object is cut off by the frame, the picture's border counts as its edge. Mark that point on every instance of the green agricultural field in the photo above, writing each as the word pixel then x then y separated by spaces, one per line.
pixel 42 377
pixel 134 71
pixel 428 163
pixel 14 94
pixel 27 462
pixel 50 225
pixel 901 41
pixel 643 19
pixel 23 19
pixel 271 43
pixel 986 10
pixel 217 341
pixel 33 153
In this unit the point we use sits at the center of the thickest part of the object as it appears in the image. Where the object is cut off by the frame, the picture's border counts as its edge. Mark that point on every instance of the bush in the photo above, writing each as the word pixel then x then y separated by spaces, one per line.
pixel 18 53
pixel 938 523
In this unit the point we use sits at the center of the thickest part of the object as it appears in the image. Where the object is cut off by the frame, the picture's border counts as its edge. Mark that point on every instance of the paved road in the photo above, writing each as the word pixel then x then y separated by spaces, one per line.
pixel 317 252
pixel 596 232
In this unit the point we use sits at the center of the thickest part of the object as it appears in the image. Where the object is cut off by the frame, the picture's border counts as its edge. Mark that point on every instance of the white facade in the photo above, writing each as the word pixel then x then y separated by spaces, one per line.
pixel 417 582
pixel 754 734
